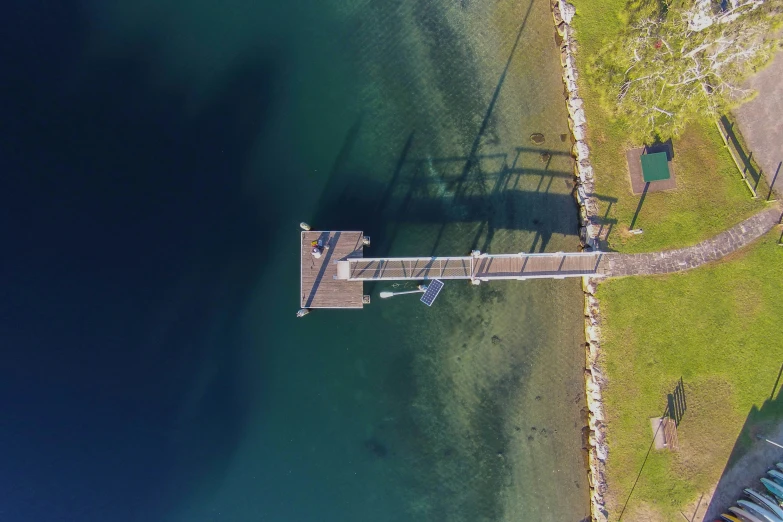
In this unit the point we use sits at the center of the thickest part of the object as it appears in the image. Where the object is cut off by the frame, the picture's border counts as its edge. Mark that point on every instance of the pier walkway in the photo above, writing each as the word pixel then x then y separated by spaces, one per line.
pixel 481 267
pixel 335 278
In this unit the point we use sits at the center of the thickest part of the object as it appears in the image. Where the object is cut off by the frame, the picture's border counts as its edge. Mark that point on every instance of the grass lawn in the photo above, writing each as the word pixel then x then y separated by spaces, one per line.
pixel 710 194
pixel 719 328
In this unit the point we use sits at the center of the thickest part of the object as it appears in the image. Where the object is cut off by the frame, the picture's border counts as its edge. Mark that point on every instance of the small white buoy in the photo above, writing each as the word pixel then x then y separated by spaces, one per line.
pixel 475 253
pixel 303 312
pixel 366 240
pixel 304 226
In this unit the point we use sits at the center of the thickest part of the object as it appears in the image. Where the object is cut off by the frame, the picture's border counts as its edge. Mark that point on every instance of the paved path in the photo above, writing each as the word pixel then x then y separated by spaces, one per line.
pixel 617 265
pixel 760 121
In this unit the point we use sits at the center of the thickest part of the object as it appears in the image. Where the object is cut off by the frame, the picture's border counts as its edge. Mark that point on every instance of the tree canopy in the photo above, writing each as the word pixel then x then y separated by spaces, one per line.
pixel 675 61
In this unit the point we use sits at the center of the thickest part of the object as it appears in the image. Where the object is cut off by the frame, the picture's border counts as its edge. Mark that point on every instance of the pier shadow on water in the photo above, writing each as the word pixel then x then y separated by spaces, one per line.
pixel 488 196
pixel 466 192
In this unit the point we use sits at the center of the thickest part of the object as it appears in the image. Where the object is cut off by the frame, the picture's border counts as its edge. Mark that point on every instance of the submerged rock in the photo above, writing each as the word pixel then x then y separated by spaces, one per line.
pixel 545 157
pixel 537 138
pixel 375 447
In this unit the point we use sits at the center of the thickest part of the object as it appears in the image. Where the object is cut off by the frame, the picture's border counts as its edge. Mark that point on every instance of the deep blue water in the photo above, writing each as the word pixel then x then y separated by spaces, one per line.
pixel 156 160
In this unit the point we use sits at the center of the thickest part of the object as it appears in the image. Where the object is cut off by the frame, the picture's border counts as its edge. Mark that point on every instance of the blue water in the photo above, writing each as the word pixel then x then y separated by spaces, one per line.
pixel 157 157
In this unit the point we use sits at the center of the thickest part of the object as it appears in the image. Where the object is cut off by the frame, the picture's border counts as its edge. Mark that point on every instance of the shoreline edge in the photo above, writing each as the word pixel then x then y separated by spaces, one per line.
pixel 589 234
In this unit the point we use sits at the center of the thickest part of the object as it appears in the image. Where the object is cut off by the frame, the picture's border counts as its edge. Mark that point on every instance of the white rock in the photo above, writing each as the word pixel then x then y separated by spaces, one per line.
pixel 567 11
pixel 580 131
pixel 586 174
pixel 576 103
pixel 580 195
pixel 593 333
pixel 579 120
pixel 599 513
pixel 569 71
pixel 602 451
pixel 589 187
pixel 594 349
pixel 581 151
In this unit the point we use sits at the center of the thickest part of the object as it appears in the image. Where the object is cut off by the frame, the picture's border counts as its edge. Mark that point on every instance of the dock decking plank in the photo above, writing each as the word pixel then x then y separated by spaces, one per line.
pixel 319 287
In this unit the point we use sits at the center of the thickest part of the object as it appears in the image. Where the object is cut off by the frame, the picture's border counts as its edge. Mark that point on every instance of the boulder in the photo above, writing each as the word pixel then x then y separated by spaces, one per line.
pixel 602 451
pixel 564 30
pixel 589 188
pixel 599 513
pixel 585 174
pixel 579 118
pixel 580 195
pixel 579 131
pixel 567 11
pixel 589 285
pixel 570 67
pixel 593 333
pixel 537 138
pixel 556 14
pixel 593 350
pixel 581 151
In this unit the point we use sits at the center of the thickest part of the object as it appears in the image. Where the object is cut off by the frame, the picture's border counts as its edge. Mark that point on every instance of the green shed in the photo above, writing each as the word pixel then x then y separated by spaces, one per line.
pixel 655 167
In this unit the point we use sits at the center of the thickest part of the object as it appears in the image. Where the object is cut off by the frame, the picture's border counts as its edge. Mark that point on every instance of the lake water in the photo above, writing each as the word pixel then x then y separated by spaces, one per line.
pixel 158 157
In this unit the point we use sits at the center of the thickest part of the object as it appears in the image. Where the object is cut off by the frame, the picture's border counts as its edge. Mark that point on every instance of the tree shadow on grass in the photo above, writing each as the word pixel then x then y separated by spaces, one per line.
pixel 756 455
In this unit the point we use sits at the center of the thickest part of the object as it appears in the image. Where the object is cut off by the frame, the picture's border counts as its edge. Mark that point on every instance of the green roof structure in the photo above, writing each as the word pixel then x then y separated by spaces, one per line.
pixel 655 167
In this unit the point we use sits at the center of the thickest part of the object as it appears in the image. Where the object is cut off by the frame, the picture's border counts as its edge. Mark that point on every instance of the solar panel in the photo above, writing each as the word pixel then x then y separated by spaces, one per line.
pixel 433 289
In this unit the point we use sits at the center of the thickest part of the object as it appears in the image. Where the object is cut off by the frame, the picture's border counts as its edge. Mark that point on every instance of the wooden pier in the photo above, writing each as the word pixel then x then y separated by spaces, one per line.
pixel 481 267
pixel 335 278
pixel 320 287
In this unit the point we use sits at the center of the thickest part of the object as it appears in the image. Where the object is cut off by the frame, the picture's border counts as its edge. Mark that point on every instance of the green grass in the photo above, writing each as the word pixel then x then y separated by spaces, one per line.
pixel 719 328
pixel 710 195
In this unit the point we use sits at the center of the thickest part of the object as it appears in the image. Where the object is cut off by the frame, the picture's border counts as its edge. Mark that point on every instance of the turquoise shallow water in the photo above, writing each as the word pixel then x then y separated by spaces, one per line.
pixel 183 143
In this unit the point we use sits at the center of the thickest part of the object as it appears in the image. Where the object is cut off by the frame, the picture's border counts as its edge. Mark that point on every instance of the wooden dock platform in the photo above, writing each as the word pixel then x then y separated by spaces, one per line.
pixel 320 287
pixel 335 278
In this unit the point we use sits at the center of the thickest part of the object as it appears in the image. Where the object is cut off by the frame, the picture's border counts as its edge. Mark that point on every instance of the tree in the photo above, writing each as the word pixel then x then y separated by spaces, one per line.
pixel 680 61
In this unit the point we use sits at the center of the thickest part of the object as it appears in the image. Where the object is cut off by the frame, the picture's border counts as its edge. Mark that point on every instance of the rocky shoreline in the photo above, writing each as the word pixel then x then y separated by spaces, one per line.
pixel 589 230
